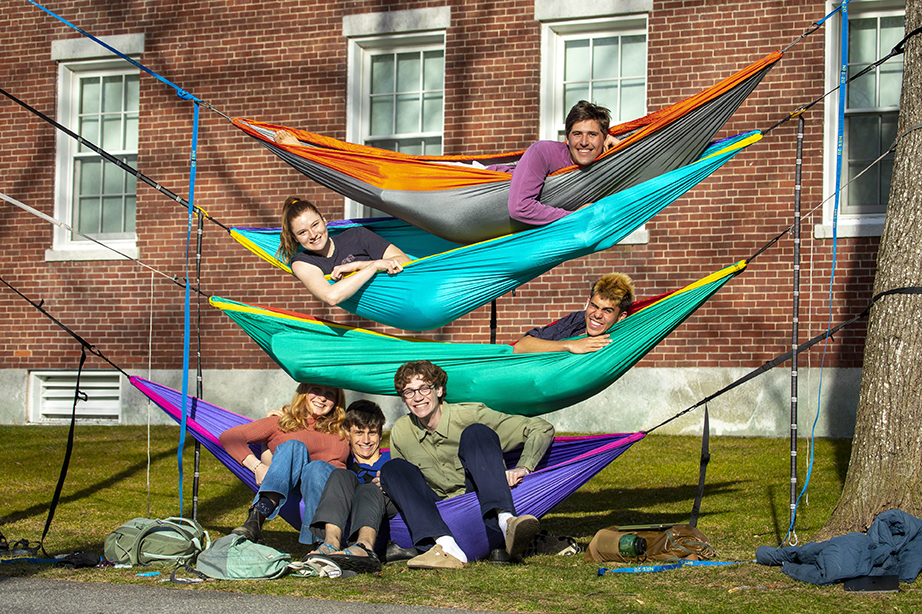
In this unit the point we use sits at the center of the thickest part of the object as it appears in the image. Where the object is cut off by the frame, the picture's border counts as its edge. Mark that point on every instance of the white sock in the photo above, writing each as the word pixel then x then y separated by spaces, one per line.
pixel 450 546
pixel 504 518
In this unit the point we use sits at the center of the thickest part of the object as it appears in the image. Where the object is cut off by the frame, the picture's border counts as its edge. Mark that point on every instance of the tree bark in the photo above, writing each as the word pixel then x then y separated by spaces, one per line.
pixel 885 470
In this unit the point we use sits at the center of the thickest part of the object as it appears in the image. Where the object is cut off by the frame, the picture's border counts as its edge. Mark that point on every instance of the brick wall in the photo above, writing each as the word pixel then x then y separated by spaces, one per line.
pixel 285 62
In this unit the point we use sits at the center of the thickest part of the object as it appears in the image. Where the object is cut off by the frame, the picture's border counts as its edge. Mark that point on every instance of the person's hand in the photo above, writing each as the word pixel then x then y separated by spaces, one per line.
pixel 341 270
pixel 587 345
pixel 274 412
pixel 377 481
pixel 286 138
pixel 260 473
pixel 610 141
pixel 391 265
pixel 514 476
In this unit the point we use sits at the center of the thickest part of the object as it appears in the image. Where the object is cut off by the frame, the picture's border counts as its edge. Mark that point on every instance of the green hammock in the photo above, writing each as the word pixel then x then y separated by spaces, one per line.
pixel 312 350
pixel 440 288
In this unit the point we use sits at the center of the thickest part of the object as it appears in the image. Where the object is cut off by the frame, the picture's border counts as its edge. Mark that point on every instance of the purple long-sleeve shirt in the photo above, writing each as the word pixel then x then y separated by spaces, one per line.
pixel 540 160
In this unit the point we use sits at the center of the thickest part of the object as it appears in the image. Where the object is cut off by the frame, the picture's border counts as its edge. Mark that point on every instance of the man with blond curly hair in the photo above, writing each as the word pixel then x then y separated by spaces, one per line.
pixel 609 301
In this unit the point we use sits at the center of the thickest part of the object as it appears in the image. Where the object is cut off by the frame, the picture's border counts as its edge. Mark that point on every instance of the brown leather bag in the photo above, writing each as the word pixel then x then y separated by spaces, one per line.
pixel 661 543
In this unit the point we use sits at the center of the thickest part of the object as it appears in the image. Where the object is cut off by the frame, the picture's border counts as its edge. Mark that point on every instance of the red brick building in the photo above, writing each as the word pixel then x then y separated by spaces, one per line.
pixel 489 77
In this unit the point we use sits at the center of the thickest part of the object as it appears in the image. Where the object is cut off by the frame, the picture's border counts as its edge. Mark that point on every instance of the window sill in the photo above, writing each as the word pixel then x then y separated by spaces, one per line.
pixel 94 253
pixel 856 227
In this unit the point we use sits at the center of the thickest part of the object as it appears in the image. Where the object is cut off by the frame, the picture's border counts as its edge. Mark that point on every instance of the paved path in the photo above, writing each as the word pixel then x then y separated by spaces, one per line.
pixel 40 596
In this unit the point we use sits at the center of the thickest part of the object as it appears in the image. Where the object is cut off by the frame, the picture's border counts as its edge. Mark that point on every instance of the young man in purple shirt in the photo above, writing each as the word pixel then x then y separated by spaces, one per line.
pixel 609 301
pixel 586 139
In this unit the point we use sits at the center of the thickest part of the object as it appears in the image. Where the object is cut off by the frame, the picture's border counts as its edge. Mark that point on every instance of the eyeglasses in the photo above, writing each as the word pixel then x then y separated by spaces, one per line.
pixel 409 393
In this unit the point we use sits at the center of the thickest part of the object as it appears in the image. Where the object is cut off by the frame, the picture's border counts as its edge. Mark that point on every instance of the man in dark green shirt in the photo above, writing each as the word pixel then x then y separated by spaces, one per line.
pixel 441 450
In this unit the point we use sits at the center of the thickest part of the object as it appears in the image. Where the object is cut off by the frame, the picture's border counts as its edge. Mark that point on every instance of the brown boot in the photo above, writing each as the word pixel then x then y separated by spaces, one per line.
pixel 252 528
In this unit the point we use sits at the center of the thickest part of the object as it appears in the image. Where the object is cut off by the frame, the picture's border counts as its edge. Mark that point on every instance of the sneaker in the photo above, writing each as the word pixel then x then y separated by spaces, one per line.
pixel 519 533
pixel 436 558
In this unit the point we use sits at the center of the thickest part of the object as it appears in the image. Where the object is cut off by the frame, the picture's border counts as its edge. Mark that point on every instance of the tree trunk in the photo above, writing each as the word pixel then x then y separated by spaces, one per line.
pixel 885 471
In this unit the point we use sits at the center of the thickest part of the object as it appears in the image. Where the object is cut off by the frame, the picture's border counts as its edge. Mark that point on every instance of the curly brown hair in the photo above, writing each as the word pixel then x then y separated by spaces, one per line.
pixel 295 416
pixel 426 371
pixel 288 243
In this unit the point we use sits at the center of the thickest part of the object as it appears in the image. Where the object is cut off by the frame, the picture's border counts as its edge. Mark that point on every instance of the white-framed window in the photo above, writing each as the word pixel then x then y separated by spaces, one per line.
pixel 51 397
pixel 871 114
pixel 602 60
pixel 396 83
pixel 98 98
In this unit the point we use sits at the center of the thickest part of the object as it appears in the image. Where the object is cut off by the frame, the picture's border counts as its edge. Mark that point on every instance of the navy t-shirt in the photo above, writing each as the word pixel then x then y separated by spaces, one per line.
pixel 366 473
pixel 354 244
pixel 571 325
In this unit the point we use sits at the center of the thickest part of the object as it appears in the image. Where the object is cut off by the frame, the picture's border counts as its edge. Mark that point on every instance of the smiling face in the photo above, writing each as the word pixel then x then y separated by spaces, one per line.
pixel 310 231
pixel 601 314
pixel 320 400
pixel 427 407
pixel 365 443
pixel 586 142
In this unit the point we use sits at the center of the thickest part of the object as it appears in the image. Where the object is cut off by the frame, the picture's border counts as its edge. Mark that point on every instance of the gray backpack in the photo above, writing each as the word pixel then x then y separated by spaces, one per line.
pixel 144 540
pixel 234 557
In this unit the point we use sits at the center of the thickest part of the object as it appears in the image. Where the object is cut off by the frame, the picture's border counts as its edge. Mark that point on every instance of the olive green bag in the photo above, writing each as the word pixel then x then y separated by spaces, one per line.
pixel 640 543
pixel 141 541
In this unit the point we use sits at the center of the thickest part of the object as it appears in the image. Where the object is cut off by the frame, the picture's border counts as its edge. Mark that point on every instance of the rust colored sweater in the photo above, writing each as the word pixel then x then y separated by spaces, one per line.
pixel 322 446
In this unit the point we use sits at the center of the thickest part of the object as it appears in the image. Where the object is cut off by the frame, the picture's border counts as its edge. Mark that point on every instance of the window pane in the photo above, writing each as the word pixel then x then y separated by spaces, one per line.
pixel 434 70
pixel 634 56
pixel 88 175
pixel 605 93
pixel 413 148
pixel 408 72
pixel 862 41
pixel 573 94
pixel 112 214
pixel 432 113
pixel 633 100
pixel 112 94
pixel 605 58
pixel 862 92
pixel 131 182
pixel 131 133
pixel 132 93
pixel 408 113
pixel 130 208
pixel 576 61
pixel 892 30
pixel 864 190
pixel 88 215
pixel 863 137
pixel 113 179
pixel 382 115
pixel 891 82
pixel 886 172
pixel 112 132
pixel 89 95
pixel 433 147
pixel 89 129
pixel 382 74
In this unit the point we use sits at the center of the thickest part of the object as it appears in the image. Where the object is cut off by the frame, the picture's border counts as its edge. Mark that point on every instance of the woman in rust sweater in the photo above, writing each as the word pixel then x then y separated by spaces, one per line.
pixel 300 446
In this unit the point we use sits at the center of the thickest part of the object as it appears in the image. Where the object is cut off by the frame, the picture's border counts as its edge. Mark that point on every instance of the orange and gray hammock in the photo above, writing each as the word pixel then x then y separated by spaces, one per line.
pixel 453 197
pixel 438 288
pixel 322 352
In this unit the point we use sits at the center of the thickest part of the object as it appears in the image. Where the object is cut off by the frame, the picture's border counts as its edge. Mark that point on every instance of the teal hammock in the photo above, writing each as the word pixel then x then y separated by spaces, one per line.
pixel 441 286
pixel 311 350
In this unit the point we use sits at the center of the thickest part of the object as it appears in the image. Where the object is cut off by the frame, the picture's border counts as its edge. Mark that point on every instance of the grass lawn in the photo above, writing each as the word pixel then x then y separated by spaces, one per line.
pixel 745 506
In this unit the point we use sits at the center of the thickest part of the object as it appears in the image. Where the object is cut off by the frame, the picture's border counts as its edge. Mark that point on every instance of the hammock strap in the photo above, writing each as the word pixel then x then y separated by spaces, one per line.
pixel 771 364
pixel 702 468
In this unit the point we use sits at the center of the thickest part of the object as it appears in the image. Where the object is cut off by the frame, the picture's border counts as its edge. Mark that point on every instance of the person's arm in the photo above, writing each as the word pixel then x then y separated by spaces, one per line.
pixel 527 183
pixel 236 440
pixel 583 345
pixel 392 262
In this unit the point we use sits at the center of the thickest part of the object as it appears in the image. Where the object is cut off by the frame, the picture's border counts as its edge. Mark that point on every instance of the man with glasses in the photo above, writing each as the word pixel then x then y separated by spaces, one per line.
pixel 586 331
pixel 441 450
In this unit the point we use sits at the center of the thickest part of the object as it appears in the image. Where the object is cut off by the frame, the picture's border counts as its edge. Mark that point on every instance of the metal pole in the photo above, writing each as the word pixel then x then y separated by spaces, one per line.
pixel 493 321
pixel 795 324
pixel 197 455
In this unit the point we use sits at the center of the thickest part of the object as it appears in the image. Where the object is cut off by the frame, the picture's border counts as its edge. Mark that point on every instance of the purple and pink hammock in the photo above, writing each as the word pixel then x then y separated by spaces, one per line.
pixel 569 463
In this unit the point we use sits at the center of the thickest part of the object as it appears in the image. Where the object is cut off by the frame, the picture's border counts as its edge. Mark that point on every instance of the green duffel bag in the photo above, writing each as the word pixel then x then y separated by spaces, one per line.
pixel 234 557
pixel 141 541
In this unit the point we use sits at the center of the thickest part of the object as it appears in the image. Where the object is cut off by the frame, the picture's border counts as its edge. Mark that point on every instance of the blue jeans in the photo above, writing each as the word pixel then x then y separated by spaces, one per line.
pixel 292 468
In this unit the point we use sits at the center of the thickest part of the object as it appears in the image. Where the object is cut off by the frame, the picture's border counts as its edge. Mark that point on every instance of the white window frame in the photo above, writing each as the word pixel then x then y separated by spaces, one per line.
pixel 554 35
pixel 394 31
pixel 51 397
pixel 78 57
pixel 848 225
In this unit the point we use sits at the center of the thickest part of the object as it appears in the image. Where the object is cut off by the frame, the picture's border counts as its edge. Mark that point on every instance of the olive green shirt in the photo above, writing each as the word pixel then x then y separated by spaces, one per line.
pixel 436 453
